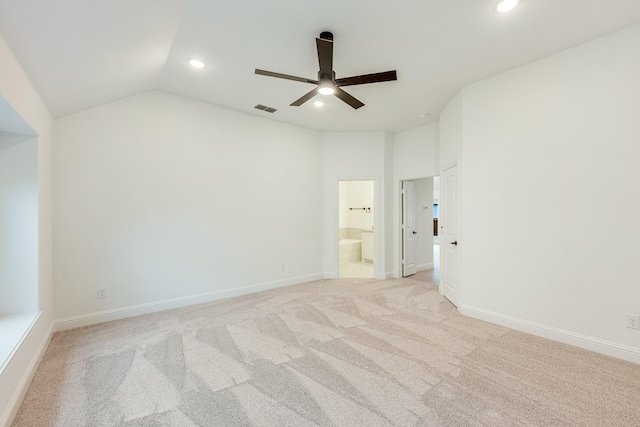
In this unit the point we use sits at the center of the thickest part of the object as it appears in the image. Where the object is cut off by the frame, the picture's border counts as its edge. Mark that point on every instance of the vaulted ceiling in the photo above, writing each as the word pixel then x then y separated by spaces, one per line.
pixel 80 54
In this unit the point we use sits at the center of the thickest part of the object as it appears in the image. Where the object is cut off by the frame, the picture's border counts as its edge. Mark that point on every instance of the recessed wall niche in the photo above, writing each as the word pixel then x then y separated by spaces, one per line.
pixel 19 302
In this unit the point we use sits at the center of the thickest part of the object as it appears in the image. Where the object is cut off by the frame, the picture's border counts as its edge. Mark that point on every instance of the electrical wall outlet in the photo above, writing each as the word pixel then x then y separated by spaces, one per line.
pixel 102 293
pixel 633 321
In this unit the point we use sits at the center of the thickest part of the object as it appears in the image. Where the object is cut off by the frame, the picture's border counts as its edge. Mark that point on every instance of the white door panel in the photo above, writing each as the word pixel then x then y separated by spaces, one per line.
pixel 449 235
pixel 408 229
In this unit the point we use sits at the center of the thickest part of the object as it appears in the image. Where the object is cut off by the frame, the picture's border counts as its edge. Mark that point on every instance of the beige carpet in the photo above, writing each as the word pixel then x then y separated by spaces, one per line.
pixel 349 352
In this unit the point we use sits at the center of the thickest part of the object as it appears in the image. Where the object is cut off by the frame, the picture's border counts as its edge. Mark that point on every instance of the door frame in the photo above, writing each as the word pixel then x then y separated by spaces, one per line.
pixel 377 225
pixel 397 222
pixel 442 207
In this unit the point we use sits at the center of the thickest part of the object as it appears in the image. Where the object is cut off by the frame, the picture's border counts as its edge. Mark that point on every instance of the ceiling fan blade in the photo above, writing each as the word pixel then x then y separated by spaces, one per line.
pixel 348 98
pixel 325 58
pixel 285 76
pixel 385 76
pixel 304 98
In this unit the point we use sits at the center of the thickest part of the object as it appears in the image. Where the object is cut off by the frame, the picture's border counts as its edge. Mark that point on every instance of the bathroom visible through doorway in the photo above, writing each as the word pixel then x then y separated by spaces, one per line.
pixel 356 219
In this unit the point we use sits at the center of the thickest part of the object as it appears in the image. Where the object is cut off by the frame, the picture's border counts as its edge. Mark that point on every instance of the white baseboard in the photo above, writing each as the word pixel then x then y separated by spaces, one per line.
pixel 427 266
pixel 152 307
pixel 631 354
pixel 25 380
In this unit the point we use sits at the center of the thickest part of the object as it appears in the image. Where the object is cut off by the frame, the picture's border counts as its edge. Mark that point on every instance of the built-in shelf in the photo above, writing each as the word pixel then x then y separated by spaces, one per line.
pixel 13 330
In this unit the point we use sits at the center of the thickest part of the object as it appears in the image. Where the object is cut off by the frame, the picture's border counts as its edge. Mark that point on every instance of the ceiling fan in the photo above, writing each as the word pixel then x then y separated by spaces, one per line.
pixel 327 84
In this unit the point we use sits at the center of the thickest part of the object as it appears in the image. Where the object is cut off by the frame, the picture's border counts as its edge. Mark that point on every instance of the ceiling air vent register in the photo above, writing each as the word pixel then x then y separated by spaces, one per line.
pixel 265 108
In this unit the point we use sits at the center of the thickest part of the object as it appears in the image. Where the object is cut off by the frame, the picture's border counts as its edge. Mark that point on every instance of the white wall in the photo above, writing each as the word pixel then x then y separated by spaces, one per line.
pixel 387 238
pixel 161 198
pixel 357 156
pixel 550 200
pixel 18 93
pixel 450 132
pixel 18 224
pixel 343 203
pixel 416 152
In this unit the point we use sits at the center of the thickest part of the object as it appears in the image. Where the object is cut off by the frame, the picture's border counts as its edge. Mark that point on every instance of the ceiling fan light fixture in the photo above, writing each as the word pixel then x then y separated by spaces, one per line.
pixel 327 84
pixel 196 63
pixel 318 104
pixel 326 88
pixel 504 6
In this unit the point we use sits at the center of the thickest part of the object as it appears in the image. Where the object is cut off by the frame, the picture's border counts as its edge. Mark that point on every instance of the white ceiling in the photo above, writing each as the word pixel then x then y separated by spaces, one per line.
pixel 80 54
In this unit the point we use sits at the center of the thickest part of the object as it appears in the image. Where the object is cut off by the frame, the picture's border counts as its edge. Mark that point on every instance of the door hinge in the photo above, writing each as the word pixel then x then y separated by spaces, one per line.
pixel 402 262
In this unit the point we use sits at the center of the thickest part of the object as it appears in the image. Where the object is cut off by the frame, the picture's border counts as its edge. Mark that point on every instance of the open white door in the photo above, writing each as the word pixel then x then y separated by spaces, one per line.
pixel 408 230
pixel 449 233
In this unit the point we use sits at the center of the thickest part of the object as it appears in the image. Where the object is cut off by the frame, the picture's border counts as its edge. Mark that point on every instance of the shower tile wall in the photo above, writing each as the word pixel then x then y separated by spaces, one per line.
pixel 344 233
pixel 351 233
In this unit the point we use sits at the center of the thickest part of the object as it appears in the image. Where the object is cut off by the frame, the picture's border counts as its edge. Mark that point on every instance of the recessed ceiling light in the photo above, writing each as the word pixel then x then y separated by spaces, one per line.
pixel 326 88
pixel 506 5
pixel 196 63
pixel 318 103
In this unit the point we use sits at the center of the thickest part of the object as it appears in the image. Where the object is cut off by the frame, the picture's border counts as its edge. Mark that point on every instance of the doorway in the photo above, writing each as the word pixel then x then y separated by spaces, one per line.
pixel 419 251
pixel 437 226
pixel 356 219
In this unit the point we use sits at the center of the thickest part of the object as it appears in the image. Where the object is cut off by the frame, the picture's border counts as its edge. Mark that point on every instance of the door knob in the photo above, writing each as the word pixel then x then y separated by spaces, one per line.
pixel 455 242
pixel 415 232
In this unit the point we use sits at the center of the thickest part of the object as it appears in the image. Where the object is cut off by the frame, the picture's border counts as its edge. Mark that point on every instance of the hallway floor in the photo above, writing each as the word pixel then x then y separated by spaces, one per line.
pixel 361 270
pixel 364 270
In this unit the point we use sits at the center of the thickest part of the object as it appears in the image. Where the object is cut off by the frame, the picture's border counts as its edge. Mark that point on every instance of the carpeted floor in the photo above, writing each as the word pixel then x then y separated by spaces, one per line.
pixel 349 352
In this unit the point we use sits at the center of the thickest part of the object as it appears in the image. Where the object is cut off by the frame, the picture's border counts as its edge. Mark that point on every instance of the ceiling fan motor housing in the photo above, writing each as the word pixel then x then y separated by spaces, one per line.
pixel 326 35
pixel 327 77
